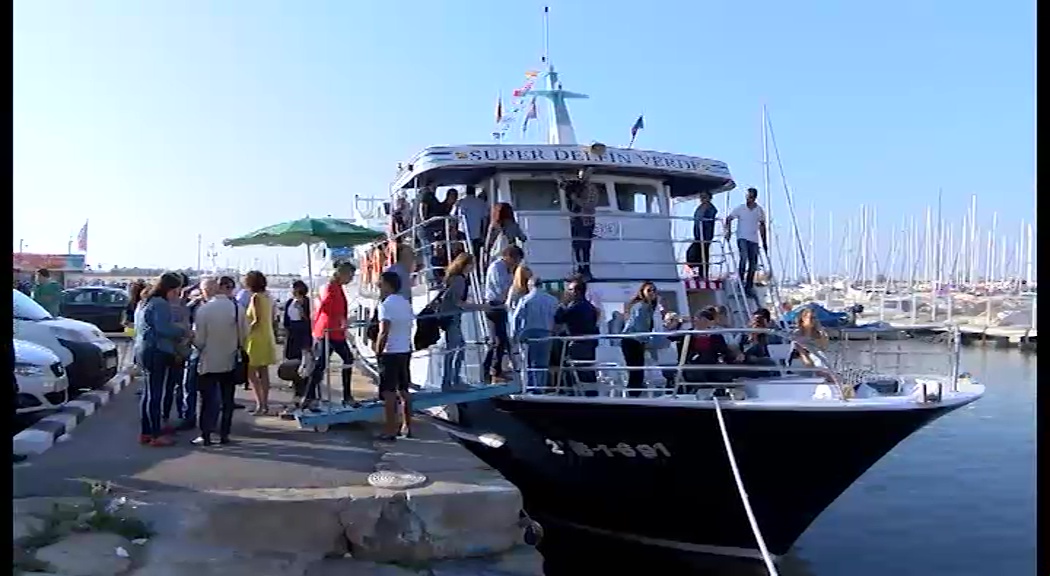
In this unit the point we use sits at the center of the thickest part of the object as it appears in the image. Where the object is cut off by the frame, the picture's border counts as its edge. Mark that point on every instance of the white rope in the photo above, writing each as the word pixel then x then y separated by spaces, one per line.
pixel 743 493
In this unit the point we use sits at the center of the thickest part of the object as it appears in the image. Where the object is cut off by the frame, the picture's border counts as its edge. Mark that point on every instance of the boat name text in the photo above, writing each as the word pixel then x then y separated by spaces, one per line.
pixel 646 451
pixel 580 156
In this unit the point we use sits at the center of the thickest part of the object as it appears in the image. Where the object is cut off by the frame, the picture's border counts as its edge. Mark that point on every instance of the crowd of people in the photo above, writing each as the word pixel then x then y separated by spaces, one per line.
pixel 194 344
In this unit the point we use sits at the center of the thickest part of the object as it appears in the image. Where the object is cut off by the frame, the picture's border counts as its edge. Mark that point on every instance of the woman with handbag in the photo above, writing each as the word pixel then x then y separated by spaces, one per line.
pixel 157 356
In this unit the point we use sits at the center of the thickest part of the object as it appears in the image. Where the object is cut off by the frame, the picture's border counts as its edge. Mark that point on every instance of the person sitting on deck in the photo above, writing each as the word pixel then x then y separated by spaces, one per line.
pixel 706 350
pixel 754 344
pixel 498 280
pixel 580 318
pixel 503 229
pixel 531 321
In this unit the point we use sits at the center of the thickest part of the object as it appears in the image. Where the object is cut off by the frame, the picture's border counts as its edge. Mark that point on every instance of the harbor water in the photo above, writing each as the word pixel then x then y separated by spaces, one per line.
pixel 956 498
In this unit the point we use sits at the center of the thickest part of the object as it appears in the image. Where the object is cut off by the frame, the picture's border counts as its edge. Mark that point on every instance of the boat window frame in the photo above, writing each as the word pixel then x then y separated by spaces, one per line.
pixel 608 183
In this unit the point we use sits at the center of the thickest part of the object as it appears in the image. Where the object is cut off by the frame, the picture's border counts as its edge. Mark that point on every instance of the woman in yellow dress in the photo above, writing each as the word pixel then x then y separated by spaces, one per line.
pixel 260 346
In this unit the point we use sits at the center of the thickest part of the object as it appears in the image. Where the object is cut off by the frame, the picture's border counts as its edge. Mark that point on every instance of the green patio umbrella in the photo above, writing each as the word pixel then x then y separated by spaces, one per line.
pixel 331 231
pixel 307 231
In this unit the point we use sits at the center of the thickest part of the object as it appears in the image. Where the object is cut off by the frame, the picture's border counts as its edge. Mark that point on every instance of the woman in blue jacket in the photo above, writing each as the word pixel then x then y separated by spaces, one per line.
pixel 157 356
pixel 640 310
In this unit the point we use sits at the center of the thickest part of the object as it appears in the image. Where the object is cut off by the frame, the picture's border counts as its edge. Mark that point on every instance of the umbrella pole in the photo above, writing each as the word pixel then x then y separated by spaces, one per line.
pixel 309 272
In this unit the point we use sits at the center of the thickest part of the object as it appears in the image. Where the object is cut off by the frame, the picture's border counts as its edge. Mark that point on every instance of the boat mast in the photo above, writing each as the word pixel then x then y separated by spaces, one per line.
pixel 765 188
pixel 560 129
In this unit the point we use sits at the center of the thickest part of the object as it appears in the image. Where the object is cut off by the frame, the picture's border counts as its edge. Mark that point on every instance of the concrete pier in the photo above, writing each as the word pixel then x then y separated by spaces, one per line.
pixel 287 501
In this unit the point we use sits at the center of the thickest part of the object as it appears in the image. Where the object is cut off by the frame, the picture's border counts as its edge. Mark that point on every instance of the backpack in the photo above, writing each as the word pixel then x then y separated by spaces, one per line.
pixel 429 325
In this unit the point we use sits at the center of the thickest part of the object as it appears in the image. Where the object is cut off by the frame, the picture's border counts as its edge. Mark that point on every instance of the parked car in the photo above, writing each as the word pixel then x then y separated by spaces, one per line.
pixel 99 305
pixel 89 358
pixel 42 381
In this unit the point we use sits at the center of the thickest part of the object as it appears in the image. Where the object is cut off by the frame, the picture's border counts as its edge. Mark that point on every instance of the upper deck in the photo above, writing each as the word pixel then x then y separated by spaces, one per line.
pixel 686 176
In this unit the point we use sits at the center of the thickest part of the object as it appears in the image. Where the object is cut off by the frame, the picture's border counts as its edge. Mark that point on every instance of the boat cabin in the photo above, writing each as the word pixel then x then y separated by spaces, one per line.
pixel 634 226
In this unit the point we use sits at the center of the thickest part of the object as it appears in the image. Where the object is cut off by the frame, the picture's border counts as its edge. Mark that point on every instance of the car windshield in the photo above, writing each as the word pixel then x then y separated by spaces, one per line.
pixel 25 308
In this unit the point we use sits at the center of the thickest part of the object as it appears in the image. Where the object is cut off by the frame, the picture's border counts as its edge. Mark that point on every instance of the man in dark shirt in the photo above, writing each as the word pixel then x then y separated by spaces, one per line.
pixel 699 253
pixel 582 198
pixel 580 318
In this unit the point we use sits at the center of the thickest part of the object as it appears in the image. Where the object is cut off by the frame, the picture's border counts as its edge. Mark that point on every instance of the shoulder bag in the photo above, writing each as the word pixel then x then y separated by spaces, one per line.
pixel 240 360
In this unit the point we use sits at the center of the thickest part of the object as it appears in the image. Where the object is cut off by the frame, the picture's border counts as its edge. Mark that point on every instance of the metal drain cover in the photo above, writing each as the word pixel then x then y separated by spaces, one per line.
pixel 396 480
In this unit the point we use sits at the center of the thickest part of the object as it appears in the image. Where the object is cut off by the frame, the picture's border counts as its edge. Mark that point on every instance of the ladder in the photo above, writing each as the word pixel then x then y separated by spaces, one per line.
pixel 737 301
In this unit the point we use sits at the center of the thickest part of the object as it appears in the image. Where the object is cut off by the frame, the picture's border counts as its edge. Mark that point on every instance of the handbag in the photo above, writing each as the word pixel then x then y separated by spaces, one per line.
pixel 240 359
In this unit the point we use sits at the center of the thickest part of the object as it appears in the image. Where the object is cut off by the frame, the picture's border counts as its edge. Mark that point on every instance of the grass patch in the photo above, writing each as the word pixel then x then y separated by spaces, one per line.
pixel 103 514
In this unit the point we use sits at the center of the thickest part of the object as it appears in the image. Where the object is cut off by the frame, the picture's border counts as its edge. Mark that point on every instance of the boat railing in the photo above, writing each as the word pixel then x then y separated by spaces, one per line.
pixel 609 376
pixel 890 350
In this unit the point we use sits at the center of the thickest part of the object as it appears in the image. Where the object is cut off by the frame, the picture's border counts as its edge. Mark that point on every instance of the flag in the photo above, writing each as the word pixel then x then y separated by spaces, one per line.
pixel 531 74
pixel 499 109
pixel 638 125
pixel 82 238
pixel 530 115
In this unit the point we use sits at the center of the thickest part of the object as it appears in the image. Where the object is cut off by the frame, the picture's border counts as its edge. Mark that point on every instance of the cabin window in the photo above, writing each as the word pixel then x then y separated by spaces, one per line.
pixel 640 198
pixel 535 195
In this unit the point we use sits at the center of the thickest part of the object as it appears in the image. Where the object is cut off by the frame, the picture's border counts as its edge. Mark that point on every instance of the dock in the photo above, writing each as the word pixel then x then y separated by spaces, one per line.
pixel 284 500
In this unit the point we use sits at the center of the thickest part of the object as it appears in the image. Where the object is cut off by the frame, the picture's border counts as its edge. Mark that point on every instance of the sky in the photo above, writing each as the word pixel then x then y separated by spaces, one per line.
pixel 160 121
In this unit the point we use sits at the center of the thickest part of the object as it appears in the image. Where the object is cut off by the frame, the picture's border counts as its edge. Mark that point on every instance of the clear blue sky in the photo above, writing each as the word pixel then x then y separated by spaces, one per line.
pixel 161 120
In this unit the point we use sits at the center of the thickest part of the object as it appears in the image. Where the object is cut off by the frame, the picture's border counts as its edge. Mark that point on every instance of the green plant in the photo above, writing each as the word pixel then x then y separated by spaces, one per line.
pixel 104 514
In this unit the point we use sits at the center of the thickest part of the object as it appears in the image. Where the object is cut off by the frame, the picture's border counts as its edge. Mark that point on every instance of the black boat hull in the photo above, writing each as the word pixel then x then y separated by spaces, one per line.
pixel 659 475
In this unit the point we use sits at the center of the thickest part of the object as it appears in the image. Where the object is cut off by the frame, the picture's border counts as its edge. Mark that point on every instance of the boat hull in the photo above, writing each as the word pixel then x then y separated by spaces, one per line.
pixel 659 475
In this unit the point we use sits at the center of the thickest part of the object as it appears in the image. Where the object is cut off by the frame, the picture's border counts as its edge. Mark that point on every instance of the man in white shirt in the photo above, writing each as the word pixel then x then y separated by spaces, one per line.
pixel 472 212
pixel 219 332
pixel 393 348
pixel 751 228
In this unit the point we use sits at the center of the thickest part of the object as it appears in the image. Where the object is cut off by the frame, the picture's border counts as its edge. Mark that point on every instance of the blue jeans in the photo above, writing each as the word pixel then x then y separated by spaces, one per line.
pixel 187 394
pixel 747 261
pixel 452 363
pixel 537 357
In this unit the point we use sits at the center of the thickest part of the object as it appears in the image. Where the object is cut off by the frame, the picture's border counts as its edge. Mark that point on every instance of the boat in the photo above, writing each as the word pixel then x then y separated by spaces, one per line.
pixel 739 467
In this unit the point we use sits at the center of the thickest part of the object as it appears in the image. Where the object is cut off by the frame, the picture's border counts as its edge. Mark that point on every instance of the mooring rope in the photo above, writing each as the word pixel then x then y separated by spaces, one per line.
pixel 770 567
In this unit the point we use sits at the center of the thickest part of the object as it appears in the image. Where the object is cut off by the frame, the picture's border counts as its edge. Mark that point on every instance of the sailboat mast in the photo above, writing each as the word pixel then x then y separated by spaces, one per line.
pixel 767 192
pixel 831 245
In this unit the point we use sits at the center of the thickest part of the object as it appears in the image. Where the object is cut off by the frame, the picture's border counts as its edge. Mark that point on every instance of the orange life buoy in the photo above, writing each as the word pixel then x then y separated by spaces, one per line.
pixel 377 263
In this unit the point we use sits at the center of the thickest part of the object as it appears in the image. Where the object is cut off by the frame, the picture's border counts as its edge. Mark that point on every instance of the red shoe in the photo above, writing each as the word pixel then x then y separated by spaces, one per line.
pixel 162 441
pixel 145 439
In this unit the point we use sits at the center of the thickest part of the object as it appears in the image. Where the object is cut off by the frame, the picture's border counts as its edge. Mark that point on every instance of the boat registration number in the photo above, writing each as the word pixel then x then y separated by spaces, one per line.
pixel 621 450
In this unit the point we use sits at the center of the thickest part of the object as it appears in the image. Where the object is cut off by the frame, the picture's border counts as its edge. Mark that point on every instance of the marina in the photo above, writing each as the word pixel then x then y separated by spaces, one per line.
pixel 550 352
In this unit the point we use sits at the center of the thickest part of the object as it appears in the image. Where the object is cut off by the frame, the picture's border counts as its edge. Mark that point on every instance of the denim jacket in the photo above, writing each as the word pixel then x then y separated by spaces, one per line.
pixel 639 318
pixel 159 330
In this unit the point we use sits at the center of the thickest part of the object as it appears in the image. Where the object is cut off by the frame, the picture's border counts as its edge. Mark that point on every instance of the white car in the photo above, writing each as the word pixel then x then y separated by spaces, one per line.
pixel 41 377
pixel 87 355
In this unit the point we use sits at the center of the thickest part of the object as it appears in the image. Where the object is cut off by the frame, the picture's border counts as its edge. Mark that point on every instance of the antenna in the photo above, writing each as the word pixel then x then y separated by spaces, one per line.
pixel 546 35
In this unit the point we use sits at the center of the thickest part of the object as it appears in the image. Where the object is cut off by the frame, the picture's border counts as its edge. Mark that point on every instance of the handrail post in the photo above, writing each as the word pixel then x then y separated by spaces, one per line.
pixel 956 354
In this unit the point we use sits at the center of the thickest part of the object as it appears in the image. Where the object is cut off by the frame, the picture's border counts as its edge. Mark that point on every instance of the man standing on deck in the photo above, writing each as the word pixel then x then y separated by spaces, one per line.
pixel 580 318
pixel 329 332
pixel 472 211
pixel 750 230
pixel 498 280
pixel 47 292
pixel 699 253
pixel 582 198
